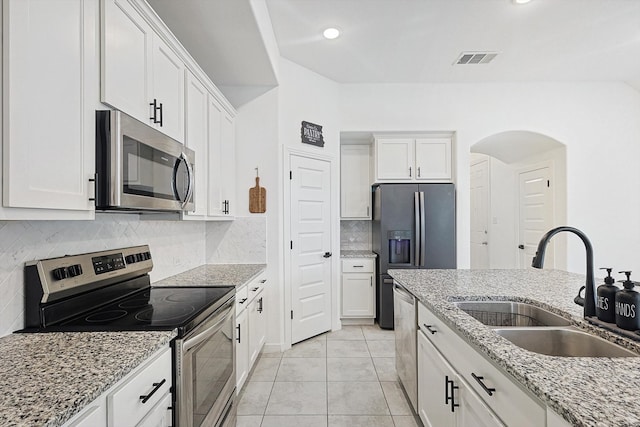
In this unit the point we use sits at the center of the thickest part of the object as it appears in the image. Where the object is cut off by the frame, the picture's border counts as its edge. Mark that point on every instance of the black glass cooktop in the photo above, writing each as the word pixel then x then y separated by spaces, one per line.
pixel 156 308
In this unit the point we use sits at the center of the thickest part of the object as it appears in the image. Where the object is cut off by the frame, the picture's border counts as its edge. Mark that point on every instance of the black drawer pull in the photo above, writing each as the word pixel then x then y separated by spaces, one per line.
pixel 238 328
pixel 254 289
pixel 156 387
pixel 450 398
pixel 242 301
pixel 489 390
pixel 263 280
pixel 429 328
pixel 358 266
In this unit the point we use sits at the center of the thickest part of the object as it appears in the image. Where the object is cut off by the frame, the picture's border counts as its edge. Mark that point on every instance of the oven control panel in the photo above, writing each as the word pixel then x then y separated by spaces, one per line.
pixel 68 275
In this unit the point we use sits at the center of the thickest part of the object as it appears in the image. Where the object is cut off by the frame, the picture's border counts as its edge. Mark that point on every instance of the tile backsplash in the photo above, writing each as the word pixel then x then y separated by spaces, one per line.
pixel 355 235
pixel 176 246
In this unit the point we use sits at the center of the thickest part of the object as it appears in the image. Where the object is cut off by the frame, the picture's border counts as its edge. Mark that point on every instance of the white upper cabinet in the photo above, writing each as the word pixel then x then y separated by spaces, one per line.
pixel 222 163
pixel 228 167
pixel 196 138
pixel 50 93
pixel 426 158
pixel 355 182
pixel 141 74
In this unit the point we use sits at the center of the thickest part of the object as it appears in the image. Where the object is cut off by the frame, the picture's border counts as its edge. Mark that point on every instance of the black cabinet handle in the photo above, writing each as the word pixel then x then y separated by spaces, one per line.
pixel 156 387
pixel 260 305
pixel 154 104
pixel 243 300
pixel 450 399
pixel 254 289
pixel 263 280
pixel 238 328
pixel 489 390
pixel 327 255
pixel 429 328
pixel 160 114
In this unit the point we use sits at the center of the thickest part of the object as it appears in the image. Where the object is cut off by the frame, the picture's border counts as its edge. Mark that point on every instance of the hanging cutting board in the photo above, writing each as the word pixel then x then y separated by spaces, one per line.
pixel 257 198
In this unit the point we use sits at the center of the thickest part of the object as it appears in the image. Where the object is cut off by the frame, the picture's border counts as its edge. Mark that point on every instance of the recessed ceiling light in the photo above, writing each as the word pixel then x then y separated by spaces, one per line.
pixel 331 33
pixel 520 1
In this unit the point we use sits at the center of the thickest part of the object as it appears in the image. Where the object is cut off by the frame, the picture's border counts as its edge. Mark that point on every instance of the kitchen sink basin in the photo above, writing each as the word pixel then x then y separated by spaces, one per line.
pixel 565 342
pixel 510 313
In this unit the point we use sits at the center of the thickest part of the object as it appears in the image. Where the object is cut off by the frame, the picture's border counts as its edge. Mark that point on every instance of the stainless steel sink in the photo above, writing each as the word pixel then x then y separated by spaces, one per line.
pixel 565 342
pixel 510 313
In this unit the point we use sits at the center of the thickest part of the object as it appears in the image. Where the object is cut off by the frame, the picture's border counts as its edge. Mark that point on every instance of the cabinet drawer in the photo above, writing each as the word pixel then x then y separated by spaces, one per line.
pixel 242 299
pixel 358 265
pixel 255 287
pixel 509 401
pixel 125 406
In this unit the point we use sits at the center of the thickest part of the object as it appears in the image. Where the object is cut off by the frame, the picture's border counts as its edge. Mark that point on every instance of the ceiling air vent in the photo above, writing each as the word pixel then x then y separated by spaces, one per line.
pixel 470 58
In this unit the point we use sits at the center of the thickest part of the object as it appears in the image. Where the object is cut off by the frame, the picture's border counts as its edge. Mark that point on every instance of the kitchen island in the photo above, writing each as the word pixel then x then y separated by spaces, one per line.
pixel 584 391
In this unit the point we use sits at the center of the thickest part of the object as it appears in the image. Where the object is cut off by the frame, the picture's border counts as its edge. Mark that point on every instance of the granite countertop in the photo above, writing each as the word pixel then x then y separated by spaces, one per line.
pixel 584 391
pixel 215 275
pixel 45 379
pixel 357 254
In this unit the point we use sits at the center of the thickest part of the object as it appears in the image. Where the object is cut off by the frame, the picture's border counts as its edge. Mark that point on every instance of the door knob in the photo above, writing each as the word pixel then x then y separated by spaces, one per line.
pixel 485 243
pixel 327 255
pixel 520 246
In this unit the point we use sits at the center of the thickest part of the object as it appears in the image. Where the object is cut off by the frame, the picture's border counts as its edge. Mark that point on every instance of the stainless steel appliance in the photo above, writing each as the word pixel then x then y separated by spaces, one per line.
pixel 413 227
pixel 139 168
pixel 405 324
pixel 110 290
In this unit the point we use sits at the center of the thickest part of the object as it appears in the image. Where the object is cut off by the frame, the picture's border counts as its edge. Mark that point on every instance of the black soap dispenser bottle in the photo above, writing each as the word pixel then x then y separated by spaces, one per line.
pixel 605 307
pixel 627 304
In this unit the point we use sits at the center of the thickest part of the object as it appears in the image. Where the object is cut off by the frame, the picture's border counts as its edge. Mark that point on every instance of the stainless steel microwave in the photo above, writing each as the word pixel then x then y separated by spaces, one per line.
pixel 139 168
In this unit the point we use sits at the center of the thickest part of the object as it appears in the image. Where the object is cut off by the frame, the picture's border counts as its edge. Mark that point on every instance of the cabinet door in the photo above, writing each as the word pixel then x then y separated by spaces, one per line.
pixel 358 295
pixel 49 99
pixel 228 167
pixel 394 159
pixel 215 158
pixel 126 60
pixel 257 328
pixel 95 415
pixel 196 139
pixel 433 389
pixel 355 182
pixel 160 415
pixel 433 159
pixel 242 349
pixel 472 410
pixel 168 89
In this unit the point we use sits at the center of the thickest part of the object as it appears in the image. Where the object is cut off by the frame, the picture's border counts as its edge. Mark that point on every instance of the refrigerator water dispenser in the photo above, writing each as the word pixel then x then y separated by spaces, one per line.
pixel 399 246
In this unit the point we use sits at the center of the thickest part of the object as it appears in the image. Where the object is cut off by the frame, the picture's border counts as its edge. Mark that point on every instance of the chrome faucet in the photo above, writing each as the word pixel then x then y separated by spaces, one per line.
pixel 589 301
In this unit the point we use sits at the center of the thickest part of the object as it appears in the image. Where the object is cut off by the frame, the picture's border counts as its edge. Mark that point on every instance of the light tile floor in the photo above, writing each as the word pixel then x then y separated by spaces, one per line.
pixel 345 378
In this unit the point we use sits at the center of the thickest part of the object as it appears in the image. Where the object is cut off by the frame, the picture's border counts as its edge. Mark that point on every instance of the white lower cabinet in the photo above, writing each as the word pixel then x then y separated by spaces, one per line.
pixel 358 288
pixel 485 395
pixel 141 398
pixel 251 328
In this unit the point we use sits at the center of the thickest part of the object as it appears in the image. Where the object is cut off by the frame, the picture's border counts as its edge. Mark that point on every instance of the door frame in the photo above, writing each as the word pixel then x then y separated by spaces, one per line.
pixel 286 230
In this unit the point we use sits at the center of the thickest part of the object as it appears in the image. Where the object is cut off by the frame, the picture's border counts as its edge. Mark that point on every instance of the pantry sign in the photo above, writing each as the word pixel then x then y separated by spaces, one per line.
pixel 311 133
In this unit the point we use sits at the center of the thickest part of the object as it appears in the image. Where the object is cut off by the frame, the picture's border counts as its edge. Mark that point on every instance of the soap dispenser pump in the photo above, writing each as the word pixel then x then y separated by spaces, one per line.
pixel 605 304
pixel 627 304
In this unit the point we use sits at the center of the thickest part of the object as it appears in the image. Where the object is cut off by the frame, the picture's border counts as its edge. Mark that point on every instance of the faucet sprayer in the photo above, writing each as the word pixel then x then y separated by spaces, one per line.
pixel 589 300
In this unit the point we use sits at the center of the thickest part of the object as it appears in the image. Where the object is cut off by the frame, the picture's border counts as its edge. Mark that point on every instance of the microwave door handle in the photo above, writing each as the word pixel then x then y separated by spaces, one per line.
pixel 423 231
pixel 185 159
pixel 416 243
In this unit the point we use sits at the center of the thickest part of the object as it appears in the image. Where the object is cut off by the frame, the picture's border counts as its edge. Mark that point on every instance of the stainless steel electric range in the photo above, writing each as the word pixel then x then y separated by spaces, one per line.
pixel 110 291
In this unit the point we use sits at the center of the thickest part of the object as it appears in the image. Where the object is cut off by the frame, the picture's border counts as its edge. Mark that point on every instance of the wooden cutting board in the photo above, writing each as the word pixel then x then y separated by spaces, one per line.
pixel 257 198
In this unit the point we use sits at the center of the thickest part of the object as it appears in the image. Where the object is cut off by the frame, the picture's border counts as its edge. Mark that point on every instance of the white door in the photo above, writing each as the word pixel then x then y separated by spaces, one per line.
pixel 310 247
pixel 536 214
pixel 479 215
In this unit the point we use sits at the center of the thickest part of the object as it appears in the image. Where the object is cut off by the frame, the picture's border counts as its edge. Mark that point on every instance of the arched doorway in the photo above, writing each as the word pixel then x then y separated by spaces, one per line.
pixel 518 192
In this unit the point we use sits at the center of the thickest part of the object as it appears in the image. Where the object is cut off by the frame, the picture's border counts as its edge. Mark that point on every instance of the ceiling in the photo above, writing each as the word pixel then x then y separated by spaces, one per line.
pixel 415 41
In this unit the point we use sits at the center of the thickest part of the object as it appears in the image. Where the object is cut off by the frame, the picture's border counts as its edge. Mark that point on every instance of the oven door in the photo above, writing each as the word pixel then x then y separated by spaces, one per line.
pixel 205 371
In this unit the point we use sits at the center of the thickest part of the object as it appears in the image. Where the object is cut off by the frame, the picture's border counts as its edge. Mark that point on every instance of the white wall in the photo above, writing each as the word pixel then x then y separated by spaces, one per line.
pixel 598 122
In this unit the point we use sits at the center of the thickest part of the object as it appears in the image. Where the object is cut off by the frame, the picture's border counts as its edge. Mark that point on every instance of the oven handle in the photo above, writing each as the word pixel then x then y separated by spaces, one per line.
pixel 219 319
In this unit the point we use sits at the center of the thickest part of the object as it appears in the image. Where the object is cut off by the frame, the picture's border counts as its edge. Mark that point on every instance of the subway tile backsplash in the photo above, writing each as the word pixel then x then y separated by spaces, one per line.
pixel 176 246
pixel 355 235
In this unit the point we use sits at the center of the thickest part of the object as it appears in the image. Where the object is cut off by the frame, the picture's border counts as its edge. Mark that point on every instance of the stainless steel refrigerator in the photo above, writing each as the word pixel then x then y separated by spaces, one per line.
pixel 414 226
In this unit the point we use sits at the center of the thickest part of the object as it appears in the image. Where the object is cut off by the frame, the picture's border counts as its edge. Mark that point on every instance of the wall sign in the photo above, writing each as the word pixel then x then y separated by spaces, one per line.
pixel 311 134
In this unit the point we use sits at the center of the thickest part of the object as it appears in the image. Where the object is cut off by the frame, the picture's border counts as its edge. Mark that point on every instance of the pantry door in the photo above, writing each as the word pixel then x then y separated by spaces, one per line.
pixel 310 246
pixel 536 214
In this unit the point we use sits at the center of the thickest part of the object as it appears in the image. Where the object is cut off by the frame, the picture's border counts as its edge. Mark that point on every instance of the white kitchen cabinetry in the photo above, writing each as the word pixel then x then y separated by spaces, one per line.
pixel 222 161
pixel 122 404
pixel 50 53
pixel 413 159
pixel 358 290
pixel 355 182
pixel 140 74
pixel 250 327
pixel 483 384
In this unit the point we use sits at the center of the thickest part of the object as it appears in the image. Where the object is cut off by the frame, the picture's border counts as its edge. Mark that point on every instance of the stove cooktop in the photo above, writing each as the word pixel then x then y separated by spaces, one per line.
pixel 154 308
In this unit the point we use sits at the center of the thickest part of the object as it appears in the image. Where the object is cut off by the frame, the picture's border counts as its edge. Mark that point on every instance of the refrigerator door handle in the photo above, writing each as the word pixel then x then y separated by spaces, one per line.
pixel 416 245
pixel 423 231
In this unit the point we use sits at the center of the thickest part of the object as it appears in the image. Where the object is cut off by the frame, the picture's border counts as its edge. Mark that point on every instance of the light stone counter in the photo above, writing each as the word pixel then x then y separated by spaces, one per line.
pixel 357 254
pixel 584 391
pixel 215 275
pixel 45 379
